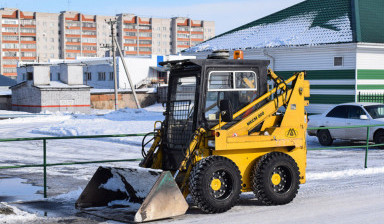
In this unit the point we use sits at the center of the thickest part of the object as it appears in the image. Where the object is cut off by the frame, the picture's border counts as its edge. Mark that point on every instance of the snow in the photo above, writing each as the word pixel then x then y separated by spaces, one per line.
pixel 338 188
pixel 293 31
pixel 17 215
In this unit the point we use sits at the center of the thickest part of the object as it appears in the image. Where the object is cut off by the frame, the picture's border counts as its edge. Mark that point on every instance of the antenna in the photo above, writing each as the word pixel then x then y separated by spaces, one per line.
pixel 68 4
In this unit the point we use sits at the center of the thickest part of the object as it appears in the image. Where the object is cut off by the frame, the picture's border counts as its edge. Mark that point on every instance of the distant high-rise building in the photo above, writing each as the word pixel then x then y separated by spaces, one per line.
pixel 37 36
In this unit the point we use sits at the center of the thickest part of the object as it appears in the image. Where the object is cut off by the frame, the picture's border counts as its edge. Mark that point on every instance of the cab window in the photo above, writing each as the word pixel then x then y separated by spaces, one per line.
pixel 239 87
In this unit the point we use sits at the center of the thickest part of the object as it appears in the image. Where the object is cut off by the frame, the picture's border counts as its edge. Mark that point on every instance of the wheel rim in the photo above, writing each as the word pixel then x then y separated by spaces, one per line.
pixel 324 137
pixel 220 184
pixel 281 179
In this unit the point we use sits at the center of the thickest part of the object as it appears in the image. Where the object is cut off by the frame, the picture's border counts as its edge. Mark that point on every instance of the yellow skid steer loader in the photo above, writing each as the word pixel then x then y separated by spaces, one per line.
pixel 224 132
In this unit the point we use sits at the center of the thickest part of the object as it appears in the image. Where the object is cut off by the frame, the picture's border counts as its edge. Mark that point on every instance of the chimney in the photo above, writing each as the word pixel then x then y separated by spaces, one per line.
pixel 39 75
pixel 71 74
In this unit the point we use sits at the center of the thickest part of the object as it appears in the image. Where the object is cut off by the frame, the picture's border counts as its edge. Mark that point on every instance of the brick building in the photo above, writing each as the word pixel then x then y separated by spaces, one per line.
pixel 36 36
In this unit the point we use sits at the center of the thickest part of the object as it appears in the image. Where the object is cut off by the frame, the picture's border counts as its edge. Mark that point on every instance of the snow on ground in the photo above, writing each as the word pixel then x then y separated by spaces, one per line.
pixel 338 188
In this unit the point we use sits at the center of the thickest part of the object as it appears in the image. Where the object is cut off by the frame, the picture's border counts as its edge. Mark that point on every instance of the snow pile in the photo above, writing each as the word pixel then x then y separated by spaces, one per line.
pixel 11 214
pixel 345 173
pixel 36 119
pixel 123 121
pixel 293 31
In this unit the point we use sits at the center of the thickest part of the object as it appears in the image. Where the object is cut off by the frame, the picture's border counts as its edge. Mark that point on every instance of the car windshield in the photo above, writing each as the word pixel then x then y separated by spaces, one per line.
pixel 376 111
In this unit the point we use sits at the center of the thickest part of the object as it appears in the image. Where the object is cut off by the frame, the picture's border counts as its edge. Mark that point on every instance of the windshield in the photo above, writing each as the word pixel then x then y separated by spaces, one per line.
pixel 376 111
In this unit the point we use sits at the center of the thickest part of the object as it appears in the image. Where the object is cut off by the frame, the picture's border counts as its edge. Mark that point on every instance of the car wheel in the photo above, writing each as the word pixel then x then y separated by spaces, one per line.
pixel 379 138
pixel 324 137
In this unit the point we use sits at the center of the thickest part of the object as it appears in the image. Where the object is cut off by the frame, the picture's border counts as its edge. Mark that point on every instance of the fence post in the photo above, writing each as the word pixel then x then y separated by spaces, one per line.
pixel 45 166
pixel 366 149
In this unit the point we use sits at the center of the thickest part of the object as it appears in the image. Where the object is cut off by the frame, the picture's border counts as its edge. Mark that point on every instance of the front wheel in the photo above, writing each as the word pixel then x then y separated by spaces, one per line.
pixel 215 184
pixel 324 137
pixel 276 179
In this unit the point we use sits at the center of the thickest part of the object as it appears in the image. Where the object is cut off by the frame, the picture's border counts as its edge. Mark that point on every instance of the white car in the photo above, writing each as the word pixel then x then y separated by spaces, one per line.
pixel 349 114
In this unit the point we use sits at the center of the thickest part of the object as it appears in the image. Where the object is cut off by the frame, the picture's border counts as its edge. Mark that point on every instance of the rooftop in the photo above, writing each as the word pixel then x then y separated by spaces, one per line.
pixel 311 22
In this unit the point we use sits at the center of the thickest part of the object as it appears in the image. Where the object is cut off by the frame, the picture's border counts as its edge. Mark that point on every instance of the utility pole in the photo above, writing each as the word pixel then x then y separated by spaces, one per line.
pixel 112 23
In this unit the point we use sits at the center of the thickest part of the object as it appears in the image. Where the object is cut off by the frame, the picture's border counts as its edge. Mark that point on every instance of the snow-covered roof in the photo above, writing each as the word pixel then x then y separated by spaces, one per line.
pixel 311 22
pixel 60 85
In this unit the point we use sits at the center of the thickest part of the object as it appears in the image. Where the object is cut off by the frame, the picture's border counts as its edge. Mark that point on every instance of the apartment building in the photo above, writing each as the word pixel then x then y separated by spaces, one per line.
pixel 37 36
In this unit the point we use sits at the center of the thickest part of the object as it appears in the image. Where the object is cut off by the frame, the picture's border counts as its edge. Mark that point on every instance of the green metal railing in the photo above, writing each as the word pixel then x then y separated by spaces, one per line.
pixel 45 164
pixel 366 146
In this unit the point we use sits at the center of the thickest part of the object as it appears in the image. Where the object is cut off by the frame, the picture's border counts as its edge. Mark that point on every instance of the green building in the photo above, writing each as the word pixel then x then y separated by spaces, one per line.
pixel 340 43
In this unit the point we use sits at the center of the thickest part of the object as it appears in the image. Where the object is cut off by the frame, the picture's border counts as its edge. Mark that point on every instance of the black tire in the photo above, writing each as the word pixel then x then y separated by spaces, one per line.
pixel 324 137
pixel 205 174
pixel 282 191
pixel 379 138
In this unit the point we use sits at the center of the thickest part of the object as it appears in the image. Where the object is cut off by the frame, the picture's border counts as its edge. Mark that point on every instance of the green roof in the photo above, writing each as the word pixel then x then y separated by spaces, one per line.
pixel 311 22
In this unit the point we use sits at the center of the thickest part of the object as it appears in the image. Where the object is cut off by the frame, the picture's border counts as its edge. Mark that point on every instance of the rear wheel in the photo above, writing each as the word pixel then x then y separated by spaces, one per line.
pixel 276 179
pixel 379 138
pixel 324 137
pixel 215 184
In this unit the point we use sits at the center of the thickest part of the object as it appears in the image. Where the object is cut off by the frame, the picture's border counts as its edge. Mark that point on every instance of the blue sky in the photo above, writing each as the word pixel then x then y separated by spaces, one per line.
pixel 226 14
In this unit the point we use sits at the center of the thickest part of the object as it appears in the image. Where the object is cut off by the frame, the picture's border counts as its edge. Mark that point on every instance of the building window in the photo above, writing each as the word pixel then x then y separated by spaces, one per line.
pixel 29 75
pixel 87 76
pixel 58 76
pixel 111 76
pixel 101 76
pixel 50 76
pixel 338 61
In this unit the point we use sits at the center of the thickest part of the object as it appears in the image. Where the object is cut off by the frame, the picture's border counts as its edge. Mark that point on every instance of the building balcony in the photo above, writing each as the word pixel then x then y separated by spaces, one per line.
pixel 10 66
pixel 180 31
pixel 10 57
pixel 145 38
pixel 10 25
pixel 89 44
pixel 89 51
pixel 27 26
pixel 28 58
pixel 197 32
pixel 72 27
pixel 130 52
pixel 89 28
pixel 73 35
pixel 197 39
pixel 11 49
pixel 129 30
pixel 10 74
pixel 72 51
pixel 25 42
pixel 28 34
pixel 130 37
pixel 27 49
pixel 72 43
pixel 145 45
pixel 10 41
pixel 88 36
pixel 145 52
pixel 145 31
pixel 183 46
pixel 134 45
pixel 10 33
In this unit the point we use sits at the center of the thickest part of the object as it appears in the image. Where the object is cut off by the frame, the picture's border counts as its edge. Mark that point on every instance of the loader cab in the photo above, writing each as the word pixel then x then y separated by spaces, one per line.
pixel 196 90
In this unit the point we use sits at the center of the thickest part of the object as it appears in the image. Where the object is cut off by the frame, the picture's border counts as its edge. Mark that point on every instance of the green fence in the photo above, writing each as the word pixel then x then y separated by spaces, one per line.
pixel 366 145
pixel 45 164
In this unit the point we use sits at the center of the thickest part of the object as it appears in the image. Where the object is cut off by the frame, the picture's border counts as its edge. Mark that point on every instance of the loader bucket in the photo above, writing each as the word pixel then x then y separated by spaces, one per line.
pixel 142 194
